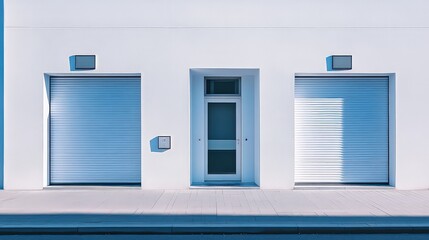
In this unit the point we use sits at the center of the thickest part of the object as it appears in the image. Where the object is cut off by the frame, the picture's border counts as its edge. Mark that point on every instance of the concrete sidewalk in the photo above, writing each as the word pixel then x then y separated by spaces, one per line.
pixel 127 210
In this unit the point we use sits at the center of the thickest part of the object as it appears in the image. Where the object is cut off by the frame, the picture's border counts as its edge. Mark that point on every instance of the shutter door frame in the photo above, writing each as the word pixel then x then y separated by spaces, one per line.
pixel 301 139
pixel 134 84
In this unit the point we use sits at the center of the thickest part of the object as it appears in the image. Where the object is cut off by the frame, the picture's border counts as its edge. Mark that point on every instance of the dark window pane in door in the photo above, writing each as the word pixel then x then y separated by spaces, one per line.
pixel 223 86
pixel 221 121
pixel 221 162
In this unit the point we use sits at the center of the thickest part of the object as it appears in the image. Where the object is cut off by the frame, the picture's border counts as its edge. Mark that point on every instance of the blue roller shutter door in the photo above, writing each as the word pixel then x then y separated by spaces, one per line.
pixel 341 130
pixel 95 130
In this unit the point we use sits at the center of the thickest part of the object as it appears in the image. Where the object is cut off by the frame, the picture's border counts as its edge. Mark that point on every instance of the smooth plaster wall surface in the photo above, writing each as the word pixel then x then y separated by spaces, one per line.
pixel 164 39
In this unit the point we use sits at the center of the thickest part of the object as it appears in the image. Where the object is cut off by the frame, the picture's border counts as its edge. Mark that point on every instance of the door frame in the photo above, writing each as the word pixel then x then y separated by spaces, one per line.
pixel 238 122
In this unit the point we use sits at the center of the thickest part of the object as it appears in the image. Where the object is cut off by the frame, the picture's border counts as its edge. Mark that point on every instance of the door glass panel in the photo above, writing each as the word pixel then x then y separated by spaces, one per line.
pixel 221 138
pixel 221 162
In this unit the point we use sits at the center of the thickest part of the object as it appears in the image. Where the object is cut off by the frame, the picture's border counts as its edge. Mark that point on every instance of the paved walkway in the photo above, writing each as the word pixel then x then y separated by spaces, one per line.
pixel 202 210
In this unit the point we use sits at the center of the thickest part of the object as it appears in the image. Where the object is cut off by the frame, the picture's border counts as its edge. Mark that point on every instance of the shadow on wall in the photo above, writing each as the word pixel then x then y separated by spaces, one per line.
pixel 154 145
pixel 72 62
pixel 365 132
pixel 329 63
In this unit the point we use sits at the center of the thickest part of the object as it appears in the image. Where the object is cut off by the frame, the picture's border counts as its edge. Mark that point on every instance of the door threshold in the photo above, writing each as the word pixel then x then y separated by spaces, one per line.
pixel 93 187
pixel 224 185
pixel 342 186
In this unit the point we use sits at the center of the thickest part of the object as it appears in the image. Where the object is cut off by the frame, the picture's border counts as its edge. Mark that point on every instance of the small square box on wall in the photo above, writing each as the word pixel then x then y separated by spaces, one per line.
pixel 341 62
pixel 84 62
pixel 164 142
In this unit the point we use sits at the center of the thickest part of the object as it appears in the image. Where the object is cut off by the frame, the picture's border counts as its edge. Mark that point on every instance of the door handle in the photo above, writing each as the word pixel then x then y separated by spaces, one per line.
pixel 238 141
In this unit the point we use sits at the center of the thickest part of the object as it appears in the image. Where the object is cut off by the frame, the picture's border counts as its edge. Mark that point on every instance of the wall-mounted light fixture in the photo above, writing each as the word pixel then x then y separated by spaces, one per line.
pixel 164 142
pixel 84 62
pixel 341 62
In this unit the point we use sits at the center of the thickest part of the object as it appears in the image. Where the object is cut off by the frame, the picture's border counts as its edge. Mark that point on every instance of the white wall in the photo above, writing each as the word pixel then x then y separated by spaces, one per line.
pixel 164 39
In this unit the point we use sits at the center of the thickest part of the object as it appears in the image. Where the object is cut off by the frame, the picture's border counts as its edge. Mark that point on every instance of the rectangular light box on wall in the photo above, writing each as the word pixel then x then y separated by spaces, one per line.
pixel 84 62
pixel 342 62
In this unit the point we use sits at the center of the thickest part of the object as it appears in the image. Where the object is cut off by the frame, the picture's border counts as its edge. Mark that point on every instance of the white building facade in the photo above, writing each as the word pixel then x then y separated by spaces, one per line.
pixel 212 93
